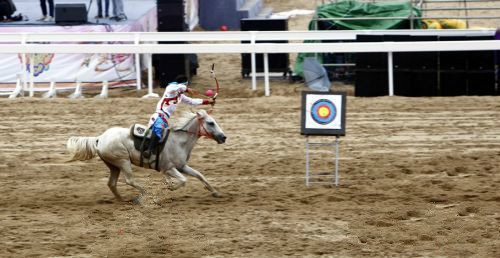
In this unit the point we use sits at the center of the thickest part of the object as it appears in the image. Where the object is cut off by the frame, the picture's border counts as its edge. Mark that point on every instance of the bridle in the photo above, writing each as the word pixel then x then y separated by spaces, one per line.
pixel 200 131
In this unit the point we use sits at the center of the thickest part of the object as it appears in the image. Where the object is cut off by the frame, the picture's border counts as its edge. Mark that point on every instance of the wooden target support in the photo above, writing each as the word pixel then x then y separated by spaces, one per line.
pixel 310 175
pixel 324 114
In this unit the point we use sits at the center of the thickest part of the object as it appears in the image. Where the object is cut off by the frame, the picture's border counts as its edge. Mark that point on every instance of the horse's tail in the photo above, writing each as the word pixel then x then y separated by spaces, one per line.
pixel 82 148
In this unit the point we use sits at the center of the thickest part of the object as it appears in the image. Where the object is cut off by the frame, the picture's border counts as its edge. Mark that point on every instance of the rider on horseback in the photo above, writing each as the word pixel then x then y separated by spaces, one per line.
pixel 165 108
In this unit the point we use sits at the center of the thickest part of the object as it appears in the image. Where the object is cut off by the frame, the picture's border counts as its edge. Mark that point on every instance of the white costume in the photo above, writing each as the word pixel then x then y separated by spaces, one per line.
pixel 171 97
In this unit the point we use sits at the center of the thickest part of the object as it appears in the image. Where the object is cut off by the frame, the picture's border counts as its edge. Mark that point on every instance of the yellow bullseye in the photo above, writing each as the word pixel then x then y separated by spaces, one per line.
pixel 324 111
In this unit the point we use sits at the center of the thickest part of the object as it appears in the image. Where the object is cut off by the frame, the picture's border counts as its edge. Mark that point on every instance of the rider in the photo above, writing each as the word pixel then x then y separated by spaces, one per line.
pixel 166 106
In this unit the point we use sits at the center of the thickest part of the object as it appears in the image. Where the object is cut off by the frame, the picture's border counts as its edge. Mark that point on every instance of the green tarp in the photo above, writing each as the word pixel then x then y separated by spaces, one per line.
pixel 353 9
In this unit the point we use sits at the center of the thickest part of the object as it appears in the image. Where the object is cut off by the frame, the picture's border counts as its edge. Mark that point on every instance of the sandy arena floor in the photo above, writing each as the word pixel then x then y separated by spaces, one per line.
pixel 419 178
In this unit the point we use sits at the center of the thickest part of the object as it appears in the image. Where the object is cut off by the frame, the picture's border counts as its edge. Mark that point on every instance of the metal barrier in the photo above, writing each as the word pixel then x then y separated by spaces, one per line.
pixel 140 43
pixel 424 6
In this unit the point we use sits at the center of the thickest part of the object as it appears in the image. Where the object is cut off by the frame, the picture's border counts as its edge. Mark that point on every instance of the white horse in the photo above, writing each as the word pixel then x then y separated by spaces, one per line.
pixel 116 148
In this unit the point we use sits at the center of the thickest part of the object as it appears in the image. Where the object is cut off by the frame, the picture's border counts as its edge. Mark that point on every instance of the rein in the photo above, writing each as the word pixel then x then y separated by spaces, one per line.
pixel 201 131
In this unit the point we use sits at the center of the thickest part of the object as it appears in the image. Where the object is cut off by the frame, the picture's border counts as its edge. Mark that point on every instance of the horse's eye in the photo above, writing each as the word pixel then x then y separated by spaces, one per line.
pixel 210 123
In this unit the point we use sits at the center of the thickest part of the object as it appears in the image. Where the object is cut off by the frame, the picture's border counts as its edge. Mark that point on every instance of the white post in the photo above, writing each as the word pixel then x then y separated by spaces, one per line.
pixel 150 74
pixel 266 75
pixel 253 61
pixel 137 63
pixel 391 73
pixel 52 91
pixel 150 94
pixel 307 161
pixel 32 75
pixel 23 59
pixel 337 160
pixel 104 91
pixel 19 88
pixel 78 91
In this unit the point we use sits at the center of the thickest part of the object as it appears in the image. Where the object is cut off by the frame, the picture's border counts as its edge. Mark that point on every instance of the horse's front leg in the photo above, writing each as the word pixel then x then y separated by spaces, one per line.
pixel 173 172
pixel 193 172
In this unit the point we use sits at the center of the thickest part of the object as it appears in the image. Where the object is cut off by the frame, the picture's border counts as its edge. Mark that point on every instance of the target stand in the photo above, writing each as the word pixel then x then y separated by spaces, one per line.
pixel 323 114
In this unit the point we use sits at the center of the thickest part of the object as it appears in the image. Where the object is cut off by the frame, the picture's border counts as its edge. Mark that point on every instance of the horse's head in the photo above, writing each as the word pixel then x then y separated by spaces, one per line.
pixel 209 127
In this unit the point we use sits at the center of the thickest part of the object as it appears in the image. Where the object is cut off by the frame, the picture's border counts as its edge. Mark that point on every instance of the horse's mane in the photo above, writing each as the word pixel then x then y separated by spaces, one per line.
pixel 185 118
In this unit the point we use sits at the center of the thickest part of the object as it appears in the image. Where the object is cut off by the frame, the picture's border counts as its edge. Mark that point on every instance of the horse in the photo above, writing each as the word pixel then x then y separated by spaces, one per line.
pixel 116 149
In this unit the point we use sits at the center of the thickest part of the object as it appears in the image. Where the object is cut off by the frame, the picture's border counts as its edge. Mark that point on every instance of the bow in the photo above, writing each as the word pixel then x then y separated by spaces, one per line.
pixel 212 74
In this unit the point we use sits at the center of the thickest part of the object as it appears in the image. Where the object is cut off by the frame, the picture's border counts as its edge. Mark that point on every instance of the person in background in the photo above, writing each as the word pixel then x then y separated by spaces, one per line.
pixel 118 11
pixel 50 16
pixel 99 9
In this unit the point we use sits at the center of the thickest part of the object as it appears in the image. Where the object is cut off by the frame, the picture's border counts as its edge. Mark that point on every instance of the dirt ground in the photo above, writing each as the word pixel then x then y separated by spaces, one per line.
pixel 419 177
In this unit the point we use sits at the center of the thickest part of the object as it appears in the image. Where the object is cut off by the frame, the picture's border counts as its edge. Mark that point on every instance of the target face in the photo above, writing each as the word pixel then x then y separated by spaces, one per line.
pixel 323 111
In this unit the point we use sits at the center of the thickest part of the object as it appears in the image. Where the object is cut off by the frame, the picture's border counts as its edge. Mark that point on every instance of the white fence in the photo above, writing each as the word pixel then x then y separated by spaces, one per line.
pixel 146 43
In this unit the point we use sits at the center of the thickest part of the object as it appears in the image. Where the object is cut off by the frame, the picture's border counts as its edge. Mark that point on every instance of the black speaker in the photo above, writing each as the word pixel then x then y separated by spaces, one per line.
pixel 70 13
pixel 453 60
pixel 402 82
pixel 171 68
pixel 371 83
pixel 371 60
pixel 481 83
pixel 400 60
pixel 424 60
pixel 424 83
pixel 453 83
pixel 481 60
pixel 170 15
pixel 277 62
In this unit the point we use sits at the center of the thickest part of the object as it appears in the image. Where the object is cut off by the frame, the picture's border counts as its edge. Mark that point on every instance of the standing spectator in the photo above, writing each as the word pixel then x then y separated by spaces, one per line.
pixel 118 11
pixel 43 4
pixel 99 9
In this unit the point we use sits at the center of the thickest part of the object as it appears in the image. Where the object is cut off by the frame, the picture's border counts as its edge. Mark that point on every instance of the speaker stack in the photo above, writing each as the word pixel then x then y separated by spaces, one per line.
pixel 70 14
pixel 371 77
pixel 481 70
pixel 452 69
pixel 467 72
pixel 173 67
pixel 424 70
pixel 415 73
pixel 277 62
pixel 446 73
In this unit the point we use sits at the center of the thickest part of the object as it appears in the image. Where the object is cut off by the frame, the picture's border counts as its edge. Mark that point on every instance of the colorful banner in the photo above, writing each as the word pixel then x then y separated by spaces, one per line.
pixel 75 67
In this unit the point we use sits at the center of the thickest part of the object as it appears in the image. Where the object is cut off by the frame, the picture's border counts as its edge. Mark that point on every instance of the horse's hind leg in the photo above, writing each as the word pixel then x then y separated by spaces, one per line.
pixel 113 179
pixel 126 168
pixel 193 172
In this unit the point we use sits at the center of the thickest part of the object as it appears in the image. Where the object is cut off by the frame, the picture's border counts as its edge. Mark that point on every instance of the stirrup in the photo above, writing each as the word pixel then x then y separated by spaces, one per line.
pixel 147 154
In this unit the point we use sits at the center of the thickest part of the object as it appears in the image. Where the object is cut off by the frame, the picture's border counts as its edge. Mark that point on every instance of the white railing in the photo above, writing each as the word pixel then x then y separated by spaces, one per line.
pixel 141 43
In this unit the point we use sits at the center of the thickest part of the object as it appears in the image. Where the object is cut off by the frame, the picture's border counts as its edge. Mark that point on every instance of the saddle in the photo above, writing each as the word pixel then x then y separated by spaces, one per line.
pixel 141 135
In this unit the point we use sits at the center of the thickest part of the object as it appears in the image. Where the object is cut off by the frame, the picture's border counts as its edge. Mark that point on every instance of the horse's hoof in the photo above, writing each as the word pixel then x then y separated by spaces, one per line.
pixel 157 201
pixel 216 195
pixel 136 200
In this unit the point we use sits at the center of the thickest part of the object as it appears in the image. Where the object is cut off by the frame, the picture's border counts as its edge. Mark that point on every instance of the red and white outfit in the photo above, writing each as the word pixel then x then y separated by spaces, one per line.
pixel 167 104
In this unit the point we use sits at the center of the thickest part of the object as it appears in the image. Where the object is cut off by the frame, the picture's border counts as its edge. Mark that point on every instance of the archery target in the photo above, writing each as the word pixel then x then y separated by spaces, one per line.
pixel 323 111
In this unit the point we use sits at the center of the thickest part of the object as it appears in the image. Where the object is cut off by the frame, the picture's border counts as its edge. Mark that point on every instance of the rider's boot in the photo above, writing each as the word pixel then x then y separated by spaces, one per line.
pixel 154 142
